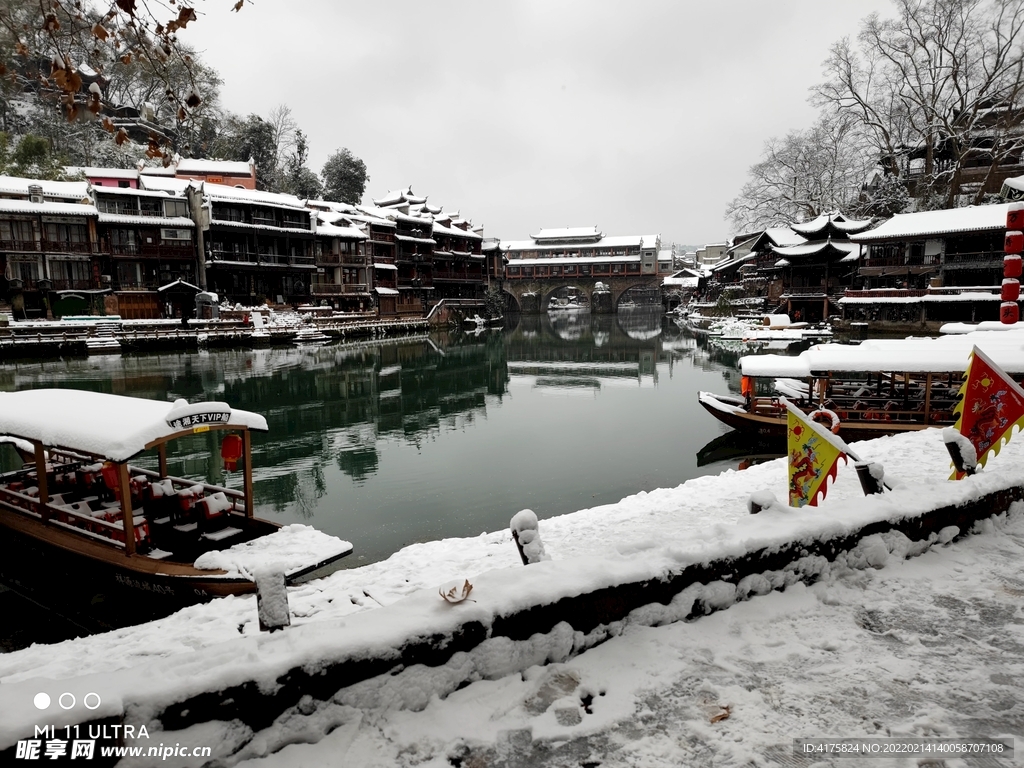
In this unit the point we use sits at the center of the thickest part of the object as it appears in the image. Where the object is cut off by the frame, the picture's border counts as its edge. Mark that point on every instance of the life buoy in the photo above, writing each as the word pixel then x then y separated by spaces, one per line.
pixel 827 418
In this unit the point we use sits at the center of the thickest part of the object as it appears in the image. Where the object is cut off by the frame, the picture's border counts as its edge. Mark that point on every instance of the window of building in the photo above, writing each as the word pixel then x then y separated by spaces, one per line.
pixel 175 208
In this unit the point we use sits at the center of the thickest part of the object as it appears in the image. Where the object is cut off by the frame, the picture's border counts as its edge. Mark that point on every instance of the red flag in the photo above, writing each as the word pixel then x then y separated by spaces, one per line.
pixel 991 406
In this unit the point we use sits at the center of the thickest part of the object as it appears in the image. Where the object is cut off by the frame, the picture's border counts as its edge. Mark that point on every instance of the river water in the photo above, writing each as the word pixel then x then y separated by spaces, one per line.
pixel 390 442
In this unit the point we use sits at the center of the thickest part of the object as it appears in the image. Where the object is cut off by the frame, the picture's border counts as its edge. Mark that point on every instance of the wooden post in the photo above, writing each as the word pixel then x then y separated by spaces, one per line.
pixel 126 508
pixel 44 491
pixel 247 472
pixel 928 399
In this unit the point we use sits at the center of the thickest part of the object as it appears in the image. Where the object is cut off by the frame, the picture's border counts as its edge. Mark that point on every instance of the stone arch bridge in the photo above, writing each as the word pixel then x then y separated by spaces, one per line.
pixel 533 294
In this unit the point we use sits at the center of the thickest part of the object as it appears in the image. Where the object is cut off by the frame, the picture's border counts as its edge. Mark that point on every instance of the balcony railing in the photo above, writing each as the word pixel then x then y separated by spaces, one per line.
pixel 19 245
pixel 326 289
pixel 66 246
pixel 70 285
pixel 336 289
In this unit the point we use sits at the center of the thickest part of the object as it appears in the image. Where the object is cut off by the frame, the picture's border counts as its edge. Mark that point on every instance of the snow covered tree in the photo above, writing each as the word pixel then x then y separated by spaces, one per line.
pixel 803 175
pixel 344 177
pixel 937 88
pixel 296 178
pixel 250 137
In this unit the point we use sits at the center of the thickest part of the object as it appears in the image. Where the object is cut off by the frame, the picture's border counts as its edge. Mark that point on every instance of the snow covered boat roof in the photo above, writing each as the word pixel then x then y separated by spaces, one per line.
pixel 935 355
pixel 114 427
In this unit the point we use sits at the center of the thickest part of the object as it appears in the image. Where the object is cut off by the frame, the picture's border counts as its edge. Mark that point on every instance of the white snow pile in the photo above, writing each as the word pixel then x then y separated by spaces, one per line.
pixel 272 597
pixel 526 531
pixel 290 549
pixel 968 453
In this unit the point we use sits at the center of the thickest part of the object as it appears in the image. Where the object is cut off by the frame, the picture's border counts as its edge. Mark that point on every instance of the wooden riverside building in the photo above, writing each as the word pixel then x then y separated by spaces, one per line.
pixel 118 242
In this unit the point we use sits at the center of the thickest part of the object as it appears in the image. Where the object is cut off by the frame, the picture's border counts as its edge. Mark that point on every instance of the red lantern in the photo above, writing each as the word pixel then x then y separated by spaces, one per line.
pixel 1014 242
pixel 1009 312
pixel 1012 265
pixel 231 451
pixel 1011 290
pixel 1015 216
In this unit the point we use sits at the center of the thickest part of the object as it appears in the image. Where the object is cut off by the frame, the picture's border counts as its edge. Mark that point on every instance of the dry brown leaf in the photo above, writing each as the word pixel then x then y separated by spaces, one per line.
pixel 121 137
pixel 108 125
pixel 50 23
pixel 185 15
pixel 453 595
pixel 99 31
pixel 193 100
pixel 128 6
pixel 20 48
pixel 238 5
pixel 722 715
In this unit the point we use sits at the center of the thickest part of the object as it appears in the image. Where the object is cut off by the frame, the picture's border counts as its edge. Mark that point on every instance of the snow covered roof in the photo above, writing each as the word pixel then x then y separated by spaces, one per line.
pixel 146 221
pixel 783 236
pixel 834 220
pixel 165 184
pixel 66 190
pixel 26 206
pixel 92 172
pixel 568 233
pixel 820 248
pixel 111 426
pixel 228 167
pixel 937 355
pixel 399 197
pixel 386 291
pixel 165 194
pixel 649 241
pixel 727 263
pixel 378 265
pixel 635 258
pixel 928 223
pixel 614 241
pixel 332 230
pixel 225 193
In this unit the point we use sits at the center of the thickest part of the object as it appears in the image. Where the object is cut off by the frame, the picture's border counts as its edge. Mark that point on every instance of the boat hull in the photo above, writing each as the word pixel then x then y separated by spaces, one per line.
pixel 737 417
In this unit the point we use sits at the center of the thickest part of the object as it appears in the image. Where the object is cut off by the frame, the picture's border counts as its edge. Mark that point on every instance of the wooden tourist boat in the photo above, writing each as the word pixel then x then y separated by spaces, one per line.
pixel 80 500
pixel 880 387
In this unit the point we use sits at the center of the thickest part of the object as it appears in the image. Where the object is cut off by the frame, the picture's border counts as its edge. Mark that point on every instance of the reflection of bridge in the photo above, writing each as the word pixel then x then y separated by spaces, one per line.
pixel 534 287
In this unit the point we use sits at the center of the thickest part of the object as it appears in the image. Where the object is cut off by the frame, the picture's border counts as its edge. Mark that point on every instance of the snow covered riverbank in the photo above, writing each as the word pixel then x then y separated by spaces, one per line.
pixel 210 647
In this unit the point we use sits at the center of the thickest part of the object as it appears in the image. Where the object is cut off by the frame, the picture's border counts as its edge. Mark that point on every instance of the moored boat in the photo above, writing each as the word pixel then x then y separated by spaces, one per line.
pixel 883 386
pixel 80 499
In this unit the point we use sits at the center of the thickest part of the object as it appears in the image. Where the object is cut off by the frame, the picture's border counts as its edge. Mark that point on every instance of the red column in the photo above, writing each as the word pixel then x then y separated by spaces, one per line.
pixel 1009 310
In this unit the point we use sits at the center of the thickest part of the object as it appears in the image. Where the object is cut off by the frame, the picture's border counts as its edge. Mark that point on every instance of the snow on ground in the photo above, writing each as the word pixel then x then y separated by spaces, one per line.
pixel 930 647
pixel 792 667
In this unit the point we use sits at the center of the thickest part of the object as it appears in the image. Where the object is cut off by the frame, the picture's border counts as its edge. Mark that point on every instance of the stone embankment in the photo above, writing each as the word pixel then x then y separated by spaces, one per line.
pixel 56 338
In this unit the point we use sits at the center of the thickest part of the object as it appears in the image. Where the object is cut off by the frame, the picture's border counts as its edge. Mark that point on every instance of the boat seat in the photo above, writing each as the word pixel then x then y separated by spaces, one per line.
pixel 223 533
pixel 187 527
pixel 158 554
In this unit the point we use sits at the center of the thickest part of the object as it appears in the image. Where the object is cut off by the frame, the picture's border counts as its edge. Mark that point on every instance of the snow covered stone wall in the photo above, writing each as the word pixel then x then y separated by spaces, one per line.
pixel 420 647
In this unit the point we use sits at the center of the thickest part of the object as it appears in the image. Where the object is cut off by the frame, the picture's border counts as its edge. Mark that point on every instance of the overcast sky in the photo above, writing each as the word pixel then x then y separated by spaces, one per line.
pixel 638 117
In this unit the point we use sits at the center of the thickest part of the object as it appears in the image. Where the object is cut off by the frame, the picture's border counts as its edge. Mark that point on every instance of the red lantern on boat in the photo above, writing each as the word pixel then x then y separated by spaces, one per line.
pixel 1014 241
pixel 231 451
